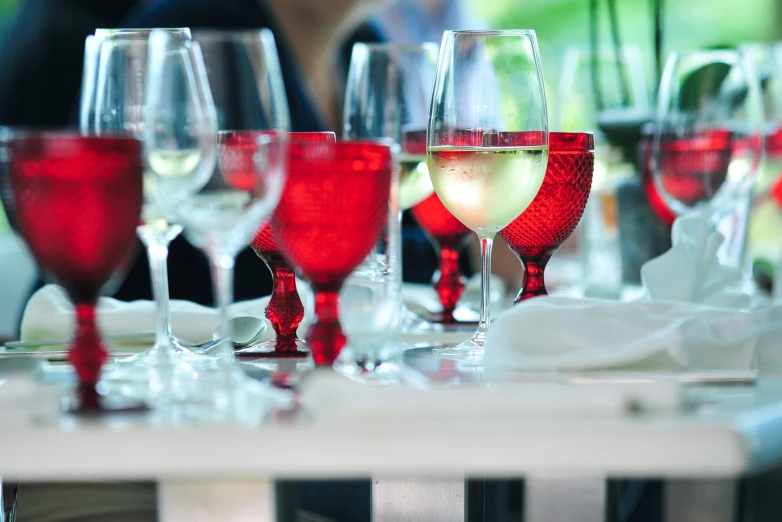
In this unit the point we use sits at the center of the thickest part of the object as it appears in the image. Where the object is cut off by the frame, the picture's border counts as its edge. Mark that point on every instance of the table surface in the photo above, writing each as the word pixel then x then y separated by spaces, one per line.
pixel 721 432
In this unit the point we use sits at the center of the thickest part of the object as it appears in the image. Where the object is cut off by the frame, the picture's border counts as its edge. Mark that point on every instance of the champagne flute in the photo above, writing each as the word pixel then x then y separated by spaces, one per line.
pixel 487 141
pixel 708 137
pixel 113 100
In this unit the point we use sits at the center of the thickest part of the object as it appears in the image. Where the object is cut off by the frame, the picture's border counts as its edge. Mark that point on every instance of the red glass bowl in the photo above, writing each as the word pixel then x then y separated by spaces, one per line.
pixel 285 310
pixel 332 209
pixel 552 216
pixel 78 202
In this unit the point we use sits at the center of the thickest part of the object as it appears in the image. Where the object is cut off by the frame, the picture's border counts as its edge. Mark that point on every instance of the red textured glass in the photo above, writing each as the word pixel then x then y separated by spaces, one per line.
pixel 285 310
pixel 446 234
pixel 656 202
pixel 693 168
pixel 552 216
pixel 328 220
pixel 774 150
pixel 78 203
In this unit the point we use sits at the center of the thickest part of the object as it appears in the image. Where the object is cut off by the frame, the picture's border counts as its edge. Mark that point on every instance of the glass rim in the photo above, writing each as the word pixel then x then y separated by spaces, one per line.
pixel 398 46
pixel 216 35
pixel 571 141
pixel 492 32
pixel 102 32
pixel 56 139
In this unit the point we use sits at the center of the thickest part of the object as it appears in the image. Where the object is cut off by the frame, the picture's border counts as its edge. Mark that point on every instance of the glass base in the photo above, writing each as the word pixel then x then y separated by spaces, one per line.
pixel 151 356
pixel 271 350
pixel 414 323
pixel 469 351
pixel 370 364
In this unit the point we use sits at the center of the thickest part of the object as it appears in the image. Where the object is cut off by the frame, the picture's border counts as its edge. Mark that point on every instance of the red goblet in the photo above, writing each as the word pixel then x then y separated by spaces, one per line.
pixel 332 209
pixel 552 216
pixel 78 203
pixel 774 155
pixel 446 234
pixel 656 201
pixel 693 168
pixel 285 310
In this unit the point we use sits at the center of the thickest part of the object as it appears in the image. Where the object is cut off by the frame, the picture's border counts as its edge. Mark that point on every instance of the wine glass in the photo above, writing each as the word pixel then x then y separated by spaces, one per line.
pixel 552 216
pixel 246 83
pixel 285 310
pixel 78 202
pixel 114 97
pixel 328 220
pixel 387 94
pixel 764 242
pixel 487 141
pixel 447 235
pixel 708 137
pixel 180 137
pixel 605 93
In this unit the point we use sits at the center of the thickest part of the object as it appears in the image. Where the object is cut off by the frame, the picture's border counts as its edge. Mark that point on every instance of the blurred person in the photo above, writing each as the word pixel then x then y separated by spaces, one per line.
pixel 43 53
pixel 314 40
pixel 414 21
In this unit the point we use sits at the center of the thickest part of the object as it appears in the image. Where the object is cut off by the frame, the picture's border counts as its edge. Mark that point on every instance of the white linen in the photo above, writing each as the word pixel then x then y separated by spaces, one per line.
pixel 692 316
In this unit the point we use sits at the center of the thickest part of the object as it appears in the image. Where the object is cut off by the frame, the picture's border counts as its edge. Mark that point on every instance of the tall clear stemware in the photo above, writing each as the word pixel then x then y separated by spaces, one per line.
pixel 487 141
pixel 222 218
pixel 708 139
pixel 113 101
pixel 387 95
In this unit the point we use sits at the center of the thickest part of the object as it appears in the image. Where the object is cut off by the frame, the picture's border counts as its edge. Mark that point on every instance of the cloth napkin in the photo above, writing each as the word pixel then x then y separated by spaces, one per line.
pixel 691 316
pixel 49 315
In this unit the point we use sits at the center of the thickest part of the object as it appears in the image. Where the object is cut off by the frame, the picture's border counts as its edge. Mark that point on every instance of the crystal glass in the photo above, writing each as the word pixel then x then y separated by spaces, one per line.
pixel 488 91
pixel 387 95
pixel 78 202
pixel 114 97
pixel 597 93
pixel 285 310
pixel 222 218
pixel 708 137
pixel 447 235
pixel 328 220
pixel 552 216
pixel 764 241
pixel 180 137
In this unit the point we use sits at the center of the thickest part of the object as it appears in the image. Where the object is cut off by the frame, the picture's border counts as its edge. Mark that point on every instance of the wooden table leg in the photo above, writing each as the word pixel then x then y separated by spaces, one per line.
pixel 397 499
pixel 239 500
pixel 548 498
pixel 701 500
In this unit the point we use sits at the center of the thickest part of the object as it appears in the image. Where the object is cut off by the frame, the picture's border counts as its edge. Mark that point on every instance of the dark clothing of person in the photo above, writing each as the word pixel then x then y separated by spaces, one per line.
pixel 188 268
pixel 43 54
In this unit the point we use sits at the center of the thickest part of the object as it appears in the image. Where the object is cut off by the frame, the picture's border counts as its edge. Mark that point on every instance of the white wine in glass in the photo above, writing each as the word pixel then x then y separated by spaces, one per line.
pixel 487 141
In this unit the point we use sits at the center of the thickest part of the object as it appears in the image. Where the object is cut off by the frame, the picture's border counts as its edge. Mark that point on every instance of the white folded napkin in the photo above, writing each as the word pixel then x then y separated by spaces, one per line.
pixel 49 315
pixel 692 316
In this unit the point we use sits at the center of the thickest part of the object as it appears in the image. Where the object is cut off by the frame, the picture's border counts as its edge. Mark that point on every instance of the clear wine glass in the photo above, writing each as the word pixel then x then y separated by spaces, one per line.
pixel 387 95
pixel 180 137
pixel 222 218
pixel 113 101
pixel 487 141
pixel 708 136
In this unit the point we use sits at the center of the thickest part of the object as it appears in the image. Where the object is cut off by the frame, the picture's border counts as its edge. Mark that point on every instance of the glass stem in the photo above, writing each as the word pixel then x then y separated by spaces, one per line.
pixel 157 252
pixel 223 276
pixel 87 355
pixel 486 244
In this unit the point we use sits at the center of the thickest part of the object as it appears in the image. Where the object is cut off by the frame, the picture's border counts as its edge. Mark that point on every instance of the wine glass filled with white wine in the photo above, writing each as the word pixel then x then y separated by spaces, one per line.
pixel 487 140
